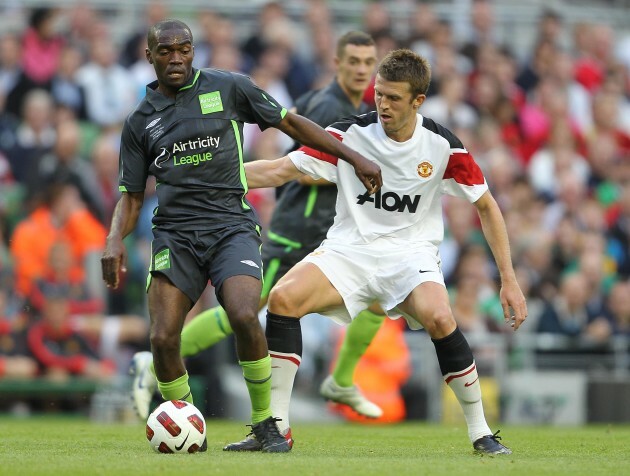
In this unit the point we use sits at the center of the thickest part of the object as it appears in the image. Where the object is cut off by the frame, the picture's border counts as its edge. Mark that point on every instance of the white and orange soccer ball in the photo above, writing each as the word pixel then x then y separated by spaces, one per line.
pixel 176 427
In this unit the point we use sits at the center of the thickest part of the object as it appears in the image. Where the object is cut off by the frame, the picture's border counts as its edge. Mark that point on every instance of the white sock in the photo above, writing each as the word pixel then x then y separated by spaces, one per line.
pixel 284 367
pixel 465 385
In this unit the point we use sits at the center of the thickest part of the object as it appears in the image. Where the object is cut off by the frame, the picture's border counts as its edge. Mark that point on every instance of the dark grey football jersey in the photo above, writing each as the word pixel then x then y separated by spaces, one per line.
pixel 193 145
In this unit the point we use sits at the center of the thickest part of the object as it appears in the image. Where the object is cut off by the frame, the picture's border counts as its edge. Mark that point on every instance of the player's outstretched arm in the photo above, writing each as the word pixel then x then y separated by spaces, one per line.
pixel 271 173
pixel 306 132
pixel 114 259
pixel 495 232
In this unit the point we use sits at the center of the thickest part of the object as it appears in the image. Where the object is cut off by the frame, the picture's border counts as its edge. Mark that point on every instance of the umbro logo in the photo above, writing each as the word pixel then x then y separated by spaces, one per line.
pixel 153 122
pixel 249 262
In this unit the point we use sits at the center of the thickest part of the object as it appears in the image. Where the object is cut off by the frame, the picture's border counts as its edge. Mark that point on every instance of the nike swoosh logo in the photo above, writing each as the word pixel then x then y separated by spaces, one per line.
pixel 468 384
pixel 179 447
pixel 424 270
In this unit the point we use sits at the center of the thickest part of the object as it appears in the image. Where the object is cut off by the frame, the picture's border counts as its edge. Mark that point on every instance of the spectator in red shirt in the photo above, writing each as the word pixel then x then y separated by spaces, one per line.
pixel 58 348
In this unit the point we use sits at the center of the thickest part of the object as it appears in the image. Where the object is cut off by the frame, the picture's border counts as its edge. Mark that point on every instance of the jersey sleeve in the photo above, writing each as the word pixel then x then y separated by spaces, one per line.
pixel 316 164
pixel 463 177
pixel 133 163
pixel 255 105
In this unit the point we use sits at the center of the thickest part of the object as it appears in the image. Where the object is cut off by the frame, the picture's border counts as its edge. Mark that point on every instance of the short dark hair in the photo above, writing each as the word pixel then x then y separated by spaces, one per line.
pixel 357 38
pixel 551 13
pixel 154 31
pixel 405 66
pixel 39 16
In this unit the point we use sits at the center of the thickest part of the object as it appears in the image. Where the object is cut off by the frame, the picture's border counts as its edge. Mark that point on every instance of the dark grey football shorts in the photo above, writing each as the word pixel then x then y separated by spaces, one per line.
pixel 278 260
pixel 190 258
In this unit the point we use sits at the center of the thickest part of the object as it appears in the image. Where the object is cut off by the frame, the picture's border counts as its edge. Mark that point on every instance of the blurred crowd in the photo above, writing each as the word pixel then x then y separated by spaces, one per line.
pixel 550 128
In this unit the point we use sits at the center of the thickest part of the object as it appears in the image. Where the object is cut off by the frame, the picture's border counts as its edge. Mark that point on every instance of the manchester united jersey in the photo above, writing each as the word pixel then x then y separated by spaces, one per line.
pixel 407 211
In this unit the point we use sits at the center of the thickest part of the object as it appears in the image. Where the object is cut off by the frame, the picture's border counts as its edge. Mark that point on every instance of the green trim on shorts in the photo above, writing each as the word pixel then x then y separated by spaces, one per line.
pixel 269 276
pixel 262 264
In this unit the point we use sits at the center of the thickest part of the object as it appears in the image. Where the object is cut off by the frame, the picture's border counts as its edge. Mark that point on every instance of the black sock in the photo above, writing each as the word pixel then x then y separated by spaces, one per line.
pixel 284 334
pixel 453 352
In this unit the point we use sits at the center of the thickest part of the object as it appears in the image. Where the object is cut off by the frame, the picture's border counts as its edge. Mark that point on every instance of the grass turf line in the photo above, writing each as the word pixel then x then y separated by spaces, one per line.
pixel 70 446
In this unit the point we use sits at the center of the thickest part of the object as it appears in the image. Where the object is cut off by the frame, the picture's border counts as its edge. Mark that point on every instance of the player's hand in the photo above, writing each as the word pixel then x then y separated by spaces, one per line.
pixel 113 261
pixel 512 299
pixel 369 173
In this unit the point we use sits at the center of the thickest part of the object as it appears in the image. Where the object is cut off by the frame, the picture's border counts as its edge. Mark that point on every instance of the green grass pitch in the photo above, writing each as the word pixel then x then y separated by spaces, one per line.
pixel 73 446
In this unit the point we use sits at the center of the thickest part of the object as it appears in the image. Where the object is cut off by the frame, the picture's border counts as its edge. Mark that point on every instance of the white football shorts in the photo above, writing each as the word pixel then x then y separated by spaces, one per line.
pixel 362 275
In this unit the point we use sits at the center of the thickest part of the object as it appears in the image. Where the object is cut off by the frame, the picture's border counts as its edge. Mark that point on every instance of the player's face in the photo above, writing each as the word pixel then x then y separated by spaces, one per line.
pixel 172 58
pixel 355 68
pixel 397 108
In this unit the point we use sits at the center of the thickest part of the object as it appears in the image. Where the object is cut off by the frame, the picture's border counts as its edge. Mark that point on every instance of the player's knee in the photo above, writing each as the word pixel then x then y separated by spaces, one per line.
pixel 242 319
pixel 439 322
pixel 163 341
pixel 282 302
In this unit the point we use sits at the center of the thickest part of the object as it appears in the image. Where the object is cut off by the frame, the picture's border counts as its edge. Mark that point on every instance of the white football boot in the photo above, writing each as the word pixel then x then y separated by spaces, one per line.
pixel 144 383
pixel 350 396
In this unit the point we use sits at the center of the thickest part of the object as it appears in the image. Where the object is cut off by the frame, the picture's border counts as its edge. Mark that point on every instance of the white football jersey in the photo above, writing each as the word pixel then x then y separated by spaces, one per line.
pixel 407 211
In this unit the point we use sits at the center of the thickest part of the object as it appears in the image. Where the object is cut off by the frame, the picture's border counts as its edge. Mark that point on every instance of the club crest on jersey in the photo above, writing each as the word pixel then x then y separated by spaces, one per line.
pixel 162 158
pixel 425 169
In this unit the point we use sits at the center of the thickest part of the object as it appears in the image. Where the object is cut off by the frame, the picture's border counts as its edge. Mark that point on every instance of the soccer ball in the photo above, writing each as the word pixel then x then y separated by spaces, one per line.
pixel 176 427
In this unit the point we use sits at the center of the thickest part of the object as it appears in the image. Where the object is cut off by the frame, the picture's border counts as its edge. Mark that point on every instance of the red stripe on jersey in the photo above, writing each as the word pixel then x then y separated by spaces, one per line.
pixel 463 168
pixel 316 154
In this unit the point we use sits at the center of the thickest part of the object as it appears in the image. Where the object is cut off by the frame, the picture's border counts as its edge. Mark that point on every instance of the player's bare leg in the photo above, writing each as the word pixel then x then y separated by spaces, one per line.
pixel 429 303
pixel 240 295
